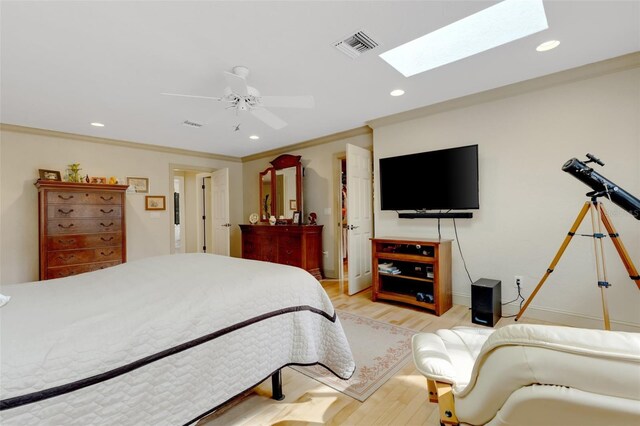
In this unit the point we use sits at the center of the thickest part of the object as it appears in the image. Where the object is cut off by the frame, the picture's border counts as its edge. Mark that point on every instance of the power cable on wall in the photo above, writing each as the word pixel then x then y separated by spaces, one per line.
pixel 455 229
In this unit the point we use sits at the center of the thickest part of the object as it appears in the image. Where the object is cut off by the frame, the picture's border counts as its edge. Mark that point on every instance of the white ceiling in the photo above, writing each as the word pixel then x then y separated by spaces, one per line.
pixel 66 64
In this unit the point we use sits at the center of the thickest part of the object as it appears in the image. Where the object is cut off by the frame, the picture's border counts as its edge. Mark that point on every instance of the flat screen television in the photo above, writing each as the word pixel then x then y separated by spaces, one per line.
pixel 446 179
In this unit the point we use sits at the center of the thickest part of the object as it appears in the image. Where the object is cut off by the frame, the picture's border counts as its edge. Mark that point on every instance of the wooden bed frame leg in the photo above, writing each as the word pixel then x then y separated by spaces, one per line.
pixel 276 386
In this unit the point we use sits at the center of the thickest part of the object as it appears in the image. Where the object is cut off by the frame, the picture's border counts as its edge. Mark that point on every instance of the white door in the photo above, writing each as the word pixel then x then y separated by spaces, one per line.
pixel 220 212
pixel 359 217
pixel 203 213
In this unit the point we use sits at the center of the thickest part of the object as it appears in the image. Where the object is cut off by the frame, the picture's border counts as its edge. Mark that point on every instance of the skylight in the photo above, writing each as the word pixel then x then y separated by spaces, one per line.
pixel 497 25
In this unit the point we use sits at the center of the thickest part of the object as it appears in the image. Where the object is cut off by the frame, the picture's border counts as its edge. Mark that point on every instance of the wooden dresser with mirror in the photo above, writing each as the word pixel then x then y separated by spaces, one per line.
pixel 284 242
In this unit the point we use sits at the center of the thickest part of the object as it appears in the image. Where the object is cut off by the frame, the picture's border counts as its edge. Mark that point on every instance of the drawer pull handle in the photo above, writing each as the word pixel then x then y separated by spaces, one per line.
pixel 66 242
pixel 106 239
pixel 65 212
pixel 106 211
pixel 65 198
pixel 107 254
pixel 65 258
pixel 65 227
pixel 106 226
pixel 107 199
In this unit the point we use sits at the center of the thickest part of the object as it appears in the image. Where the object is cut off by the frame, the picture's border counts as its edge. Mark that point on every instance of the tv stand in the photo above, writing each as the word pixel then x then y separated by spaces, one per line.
pixel 429 215
pixel 413 271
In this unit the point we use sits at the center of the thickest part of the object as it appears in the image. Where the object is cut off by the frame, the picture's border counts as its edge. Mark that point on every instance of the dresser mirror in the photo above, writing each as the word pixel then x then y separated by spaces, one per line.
pixel 266 194
pixel 281 188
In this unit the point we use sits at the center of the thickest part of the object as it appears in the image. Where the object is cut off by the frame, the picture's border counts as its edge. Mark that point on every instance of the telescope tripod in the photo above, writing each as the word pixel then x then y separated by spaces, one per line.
pixel 599 217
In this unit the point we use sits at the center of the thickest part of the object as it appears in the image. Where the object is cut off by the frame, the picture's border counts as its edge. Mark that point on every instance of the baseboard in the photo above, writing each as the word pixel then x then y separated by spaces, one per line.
pixel 556 316
pixel 330 274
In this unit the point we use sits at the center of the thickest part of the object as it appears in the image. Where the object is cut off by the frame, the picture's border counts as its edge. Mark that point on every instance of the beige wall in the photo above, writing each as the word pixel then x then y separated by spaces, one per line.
pixel 148 233
pixel 527 204
pixel 319 189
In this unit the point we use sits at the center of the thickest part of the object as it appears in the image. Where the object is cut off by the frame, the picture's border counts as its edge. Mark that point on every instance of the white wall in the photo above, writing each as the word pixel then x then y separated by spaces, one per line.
pixel 527 204
pixel 148 234
pixel 319 189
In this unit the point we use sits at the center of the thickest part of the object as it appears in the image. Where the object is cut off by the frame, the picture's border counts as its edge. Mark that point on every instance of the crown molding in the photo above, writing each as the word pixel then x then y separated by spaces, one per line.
pixel 596 69
pixel 364 130
pixel 114 142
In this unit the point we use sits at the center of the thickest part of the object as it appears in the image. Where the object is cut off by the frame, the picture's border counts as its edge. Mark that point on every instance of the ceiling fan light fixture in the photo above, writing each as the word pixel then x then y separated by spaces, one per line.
pixel 254 137
pixel 241 97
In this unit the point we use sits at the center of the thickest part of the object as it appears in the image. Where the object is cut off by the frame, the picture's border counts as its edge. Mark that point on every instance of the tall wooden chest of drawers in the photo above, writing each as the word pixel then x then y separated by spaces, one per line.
pixel 81 227
pixel 295 245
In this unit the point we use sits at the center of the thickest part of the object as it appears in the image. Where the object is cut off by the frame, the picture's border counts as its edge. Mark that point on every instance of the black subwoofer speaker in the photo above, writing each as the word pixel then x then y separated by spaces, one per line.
pixel 486 308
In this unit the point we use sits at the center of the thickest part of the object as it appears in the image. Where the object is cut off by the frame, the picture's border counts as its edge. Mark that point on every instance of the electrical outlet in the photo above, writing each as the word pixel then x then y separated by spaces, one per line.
pixel 518 280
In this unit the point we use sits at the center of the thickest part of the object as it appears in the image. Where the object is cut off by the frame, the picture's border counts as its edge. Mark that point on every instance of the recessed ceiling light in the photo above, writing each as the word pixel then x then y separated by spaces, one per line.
pixel 499 24
pixel 254 137
pixel 397 92
pixel 97 124
pixel 548 45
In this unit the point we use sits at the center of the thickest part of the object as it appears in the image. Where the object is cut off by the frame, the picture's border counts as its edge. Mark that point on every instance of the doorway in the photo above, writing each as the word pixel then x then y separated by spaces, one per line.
pixel 343 225
pixel 200 205
pixel 179 213
pixel 355 218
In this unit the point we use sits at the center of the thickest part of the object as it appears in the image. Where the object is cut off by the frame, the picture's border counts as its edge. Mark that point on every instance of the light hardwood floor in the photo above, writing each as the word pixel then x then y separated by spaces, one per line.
pixel 400 401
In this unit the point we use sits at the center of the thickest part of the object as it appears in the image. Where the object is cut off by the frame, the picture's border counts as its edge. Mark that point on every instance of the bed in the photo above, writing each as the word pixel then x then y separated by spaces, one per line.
pixel 164 340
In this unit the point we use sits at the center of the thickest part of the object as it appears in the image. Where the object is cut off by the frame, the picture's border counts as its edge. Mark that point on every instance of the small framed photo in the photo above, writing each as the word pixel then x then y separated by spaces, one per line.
pixel 155 202
pixel 50 175
pixel 296 218
pixel 293 205
pixel 100 180
pixel 140 184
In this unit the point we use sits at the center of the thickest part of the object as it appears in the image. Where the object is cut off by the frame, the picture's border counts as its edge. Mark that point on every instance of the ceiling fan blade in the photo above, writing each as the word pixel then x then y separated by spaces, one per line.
pixel 192 96
pixel 237 84
pixel 269 118
pixel 287 101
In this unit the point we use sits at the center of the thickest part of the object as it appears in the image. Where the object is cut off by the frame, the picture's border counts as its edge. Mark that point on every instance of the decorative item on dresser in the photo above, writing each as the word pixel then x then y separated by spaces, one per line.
pixel 81 227
pixel 294 245
pixel 414 271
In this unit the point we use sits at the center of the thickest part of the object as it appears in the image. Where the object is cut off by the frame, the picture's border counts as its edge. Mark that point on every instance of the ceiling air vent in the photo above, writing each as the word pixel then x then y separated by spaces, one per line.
pixel 355 44
pixel 191 123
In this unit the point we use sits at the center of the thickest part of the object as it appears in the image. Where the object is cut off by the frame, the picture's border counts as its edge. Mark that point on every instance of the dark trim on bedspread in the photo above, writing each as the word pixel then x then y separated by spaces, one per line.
pixel 217 407
pixel 30 398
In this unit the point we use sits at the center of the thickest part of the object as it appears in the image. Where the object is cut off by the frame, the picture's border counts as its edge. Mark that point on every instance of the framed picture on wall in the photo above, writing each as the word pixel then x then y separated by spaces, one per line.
pixel 296 218
pixel 293 205
pixel 140 184
pixel 155 202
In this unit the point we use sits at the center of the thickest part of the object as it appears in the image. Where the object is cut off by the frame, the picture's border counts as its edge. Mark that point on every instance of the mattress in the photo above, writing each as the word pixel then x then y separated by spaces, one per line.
pixel 159 341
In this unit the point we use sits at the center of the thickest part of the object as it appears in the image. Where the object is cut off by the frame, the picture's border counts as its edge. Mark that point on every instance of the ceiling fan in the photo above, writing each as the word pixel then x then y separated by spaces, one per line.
pixel 243 97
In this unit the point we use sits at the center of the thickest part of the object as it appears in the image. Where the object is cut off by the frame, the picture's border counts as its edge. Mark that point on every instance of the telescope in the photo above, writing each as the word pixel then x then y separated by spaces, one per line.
pixel 601 185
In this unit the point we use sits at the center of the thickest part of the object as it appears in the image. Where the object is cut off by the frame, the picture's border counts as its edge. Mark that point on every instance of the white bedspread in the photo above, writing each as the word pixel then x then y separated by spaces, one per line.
pixel 58 332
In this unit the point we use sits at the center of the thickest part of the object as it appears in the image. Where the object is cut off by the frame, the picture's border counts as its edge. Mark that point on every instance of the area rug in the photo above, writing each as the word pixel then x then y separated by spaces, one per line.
pixel 379 349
